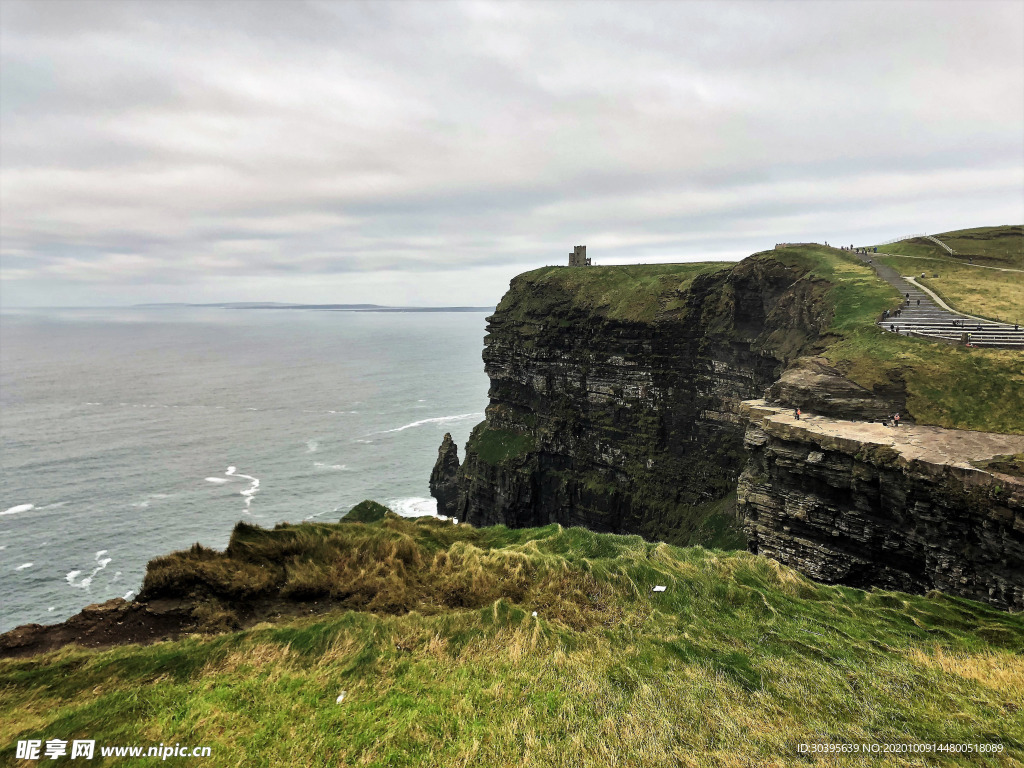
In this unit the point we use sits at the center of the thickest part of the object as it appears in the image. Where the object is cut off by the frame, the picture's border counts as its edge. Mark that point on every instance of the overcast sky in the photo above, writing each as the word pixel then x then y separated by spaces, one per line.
pixel 426 152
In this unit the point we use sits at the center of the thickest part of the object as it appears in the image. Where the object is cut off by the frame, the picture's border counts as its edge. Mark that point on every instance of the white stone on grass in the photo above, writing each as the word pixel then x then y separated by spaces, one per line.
pixel 660 588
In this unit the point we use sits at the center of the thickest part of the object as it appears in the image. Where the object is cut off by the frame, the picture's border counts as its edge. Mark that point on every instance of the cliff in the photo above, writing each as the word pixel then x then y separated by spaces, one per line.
pixel 616 403
pixel 913 508
pixel 615 391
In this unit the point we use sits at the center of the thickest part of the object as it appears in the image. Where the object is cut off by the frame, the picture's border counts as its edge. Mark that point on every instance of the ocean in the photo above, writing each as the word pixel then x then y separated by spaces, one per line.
pixel 129 433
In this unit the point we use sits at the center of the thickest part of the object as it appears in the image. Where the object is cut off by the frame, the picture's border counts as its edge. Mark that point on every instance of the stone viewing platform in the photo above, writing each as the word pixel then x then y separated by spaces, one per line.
pixel 921 315
pixel 937 446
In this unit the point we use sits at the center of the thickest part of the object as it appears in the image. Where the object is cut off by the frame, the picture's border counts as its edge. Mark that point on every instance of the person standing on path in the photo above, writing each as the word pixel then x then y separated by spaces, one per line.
pixel 796 412
pixel 895 419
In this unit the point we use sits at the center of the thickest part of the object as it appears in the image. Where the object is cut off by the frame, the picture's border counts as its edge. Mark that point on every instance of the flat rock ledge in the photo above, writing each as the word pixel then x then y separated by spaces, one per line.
pixel 910 508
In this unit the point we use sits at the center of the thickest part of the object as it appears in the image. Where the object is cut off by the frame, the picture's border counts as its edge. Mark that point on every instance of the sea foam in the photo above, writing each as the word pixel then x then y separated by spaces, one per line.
pixel 17 509
pixel 435 420
pixel 414 506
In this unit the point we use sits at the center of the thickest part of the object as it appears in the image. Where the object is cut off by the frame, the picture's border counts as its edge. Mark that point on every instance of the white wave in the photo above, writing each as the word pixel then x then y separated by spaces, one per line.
pixel 141 504
pixel 129 594
pixel 218 480
pixel 248 493
pixel 357 440
pixel 312 445
pixel 101 563
pixel 23 566
pixel 3 547
pixel 336 467
pixel 52 608
pixel 414 506
pixel 17 509
pixel 435 420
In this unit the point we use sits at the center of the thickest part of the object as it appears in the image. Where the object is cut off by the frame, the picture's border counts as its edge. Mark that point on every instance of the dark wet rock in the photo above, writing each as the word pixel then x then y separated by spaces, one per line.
pixel 444 477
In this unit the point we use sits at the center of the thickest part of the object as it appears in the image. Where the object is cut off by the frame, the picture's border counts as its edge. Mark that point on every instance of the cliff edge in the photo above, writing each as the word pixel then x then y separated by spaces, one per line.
pixel 616 403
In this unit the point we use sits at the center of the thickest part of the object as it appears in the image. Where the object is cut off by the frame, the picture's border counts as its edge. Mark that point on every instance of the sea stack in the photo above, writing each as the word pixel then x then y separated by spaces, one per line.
pixel 443 478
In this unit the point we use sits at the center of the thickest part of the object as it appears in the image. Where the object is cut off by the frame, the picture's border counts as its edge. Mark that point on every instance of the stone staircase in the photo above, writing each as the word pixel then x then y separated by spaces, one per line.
pixel 921 316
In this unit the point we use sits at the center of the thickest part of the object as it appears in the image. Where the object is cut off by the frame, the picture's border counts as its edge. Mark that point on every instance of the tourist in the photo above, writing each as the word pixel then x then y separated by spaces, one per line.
pixel 895 419
pixel 796 412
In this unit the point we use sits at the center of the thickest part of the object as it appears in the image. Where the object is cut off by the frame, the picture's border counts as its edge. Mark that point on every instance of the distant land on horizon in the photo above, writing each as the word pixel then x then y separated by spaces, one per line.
pixel 329 307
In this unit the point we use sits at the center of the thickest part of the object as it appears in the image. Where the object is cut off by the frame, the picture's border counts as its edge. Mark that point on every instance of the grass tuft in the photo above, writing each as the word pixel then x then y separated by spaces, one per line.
pixel 443 663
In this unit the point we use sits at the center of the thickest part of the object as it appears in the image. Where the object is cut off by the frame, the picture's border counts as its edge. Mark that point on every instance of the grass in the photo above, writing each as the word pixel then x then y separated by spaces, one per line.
pixel 497 446
pixel 974 289
pixel 736 663
pixel 637 292
pixel 367 511
pixel 992 246
pixel 946 385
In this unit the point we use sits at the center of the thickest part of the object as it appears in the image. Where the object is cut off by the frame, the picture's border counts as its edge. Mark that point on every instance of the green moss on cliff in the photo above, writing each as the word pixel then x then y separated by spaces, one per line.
pixel 636 292
pixel 497 446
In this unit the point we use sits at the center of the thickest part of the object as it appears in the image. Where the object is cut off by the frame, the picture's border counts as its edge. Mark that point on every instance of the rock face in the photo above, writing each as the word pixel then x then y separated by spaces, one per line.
pixel 625 419
pixel 444 478
pixel 619 406
pixel 868 505
pixel 811 384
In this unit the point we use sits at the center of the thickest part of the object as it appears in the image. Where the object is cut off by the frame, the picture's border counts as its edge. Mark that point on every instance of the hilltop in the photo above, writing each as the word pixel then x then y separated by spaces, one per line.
pixel 984 276
pixel 433 647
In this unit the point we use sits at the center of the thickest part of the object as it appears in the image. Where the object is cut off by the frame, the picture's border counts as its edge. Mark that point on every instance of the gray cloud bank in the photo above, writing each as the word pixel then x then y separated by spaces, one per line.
pixel 426 152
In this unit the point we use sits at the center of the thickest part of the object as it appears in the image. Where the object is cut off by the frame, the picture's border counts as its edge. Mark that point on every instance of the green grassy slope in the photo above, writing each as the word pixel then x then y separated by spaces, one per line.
pixel 736 663
pixel 634 292
pixel 948 386
pixel 992 246
pixel 985 288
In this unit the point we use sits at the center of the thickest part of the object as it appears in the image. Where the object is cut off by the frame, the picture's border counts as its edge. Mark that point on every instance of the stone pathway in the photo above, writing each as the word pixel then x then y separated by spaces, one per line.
pixel 921 316
pixel 934 445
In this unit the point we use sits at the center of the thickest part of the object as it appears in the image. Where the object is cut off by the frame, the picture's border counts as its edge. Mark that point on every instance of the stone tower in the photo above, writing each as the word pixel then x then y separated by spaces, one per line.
pixel 578 257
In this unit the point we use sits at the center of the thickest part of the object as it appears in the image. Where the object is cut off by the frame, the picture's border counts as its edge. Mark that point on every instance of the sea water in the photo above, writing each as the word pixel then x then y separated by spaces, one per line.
pixel 129 433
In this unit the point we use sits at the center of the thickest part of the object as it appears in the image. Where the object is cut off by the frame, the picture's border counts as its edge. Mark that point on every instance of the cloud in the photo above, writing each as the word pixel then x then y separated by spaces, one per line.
pixel 155 151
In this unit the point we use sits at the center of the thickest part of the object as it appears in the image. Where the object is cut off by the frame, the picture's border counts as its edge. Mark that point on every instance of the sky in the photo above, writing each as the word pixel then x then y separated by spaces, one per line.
pixel 425 152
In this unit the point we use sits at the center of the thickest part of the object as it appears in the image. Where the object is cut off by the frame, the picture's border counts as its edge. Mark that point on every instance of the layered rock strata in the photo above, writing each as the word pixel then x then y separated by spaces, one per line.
pixel 868 505
pixel 627 421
